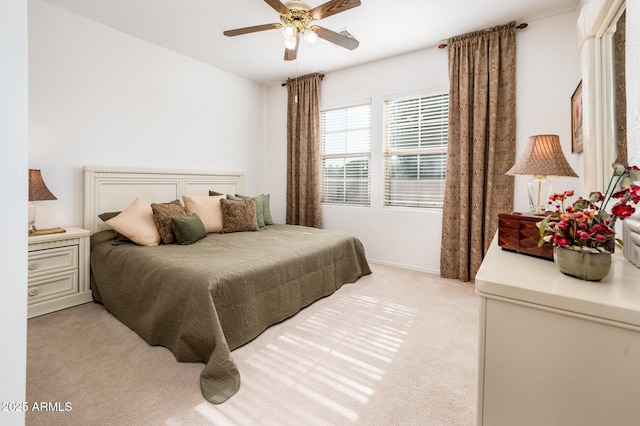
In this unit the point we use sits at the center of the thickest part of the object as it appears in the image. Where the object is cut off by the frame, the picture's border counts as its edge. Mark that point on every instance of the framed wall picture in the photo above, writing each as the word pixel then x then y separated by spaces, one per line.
pixel 576 119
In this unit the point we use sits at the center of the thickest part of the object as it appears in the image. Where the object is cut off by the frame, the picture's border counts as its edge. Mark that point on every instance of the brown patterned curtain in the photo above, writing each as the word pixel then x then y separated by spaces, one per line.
pixel 619 57
pixel 303 151
pixel 481 146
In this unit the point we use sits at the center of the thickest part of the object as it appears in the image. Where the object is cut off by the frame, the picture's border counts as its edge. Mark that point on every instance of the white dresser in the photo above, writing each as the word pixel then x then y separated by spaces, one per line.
pixel 556 350
pixel 58 271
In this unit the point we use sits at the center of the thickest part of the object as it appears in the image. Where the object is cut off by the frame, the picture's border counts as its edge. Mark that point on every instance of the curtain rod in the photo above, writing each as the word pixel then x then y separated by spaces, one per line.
pixel 518 27
pixel 320 75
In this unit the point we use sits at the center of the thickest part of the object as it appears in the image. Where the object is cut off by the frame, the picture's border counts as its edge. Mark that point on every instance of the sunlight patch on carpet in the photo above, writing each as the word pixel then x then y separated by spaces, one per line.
pixel 337 356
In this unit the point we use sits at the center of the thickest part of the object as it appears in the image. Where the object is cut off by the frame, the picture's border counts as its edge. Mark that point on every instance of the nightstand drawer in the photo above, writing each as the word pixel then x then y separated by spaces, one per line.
pixel 53 286
pixel 52 260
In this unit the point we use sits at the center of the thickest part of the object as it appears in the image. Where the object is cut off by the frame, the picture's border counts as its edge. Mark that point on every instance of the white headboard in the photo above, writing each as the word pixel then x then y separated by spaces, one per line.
pixel 108 189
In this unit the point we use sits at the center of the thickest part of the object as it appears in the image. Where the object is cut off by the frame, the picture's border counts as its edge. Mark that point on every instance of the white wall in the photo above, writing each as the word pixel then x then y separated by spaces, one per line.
pixel 547 74
pixel 13 189
pixel 98 96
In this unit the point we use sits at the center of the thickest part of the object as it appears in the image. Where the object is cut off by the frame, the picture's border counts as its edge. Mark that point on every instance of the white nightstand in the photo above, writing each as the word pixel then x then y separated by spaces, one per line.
pixel 58 271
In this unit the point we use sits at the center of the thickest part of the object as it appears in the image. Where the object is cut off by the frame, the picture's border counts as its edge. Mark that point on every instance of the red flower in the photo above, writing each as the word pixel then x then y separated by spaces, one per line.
pixel 583 234
pixel 634 194
pixel 622 211
pixel 621 195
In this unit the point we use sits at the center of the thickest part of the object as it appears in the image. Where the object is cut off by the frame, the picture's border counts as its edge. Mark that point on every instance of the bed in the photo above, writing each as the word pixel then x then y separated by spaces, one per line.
pixel 203 300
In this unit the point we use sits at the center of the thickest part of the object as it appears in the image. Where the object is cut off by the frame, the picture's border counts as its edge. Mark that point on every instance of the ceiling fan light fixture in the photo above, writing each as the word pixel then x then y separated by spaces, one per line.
pixel 290 43
pixel 310 36
pixel 289 31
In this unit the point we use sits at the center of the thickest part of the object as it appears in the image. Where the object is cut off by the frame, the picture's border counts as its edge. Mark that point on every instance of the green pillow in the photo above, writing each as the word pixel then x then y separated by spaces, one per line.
pixel 260 203
pixel 214 193
pixel 188 229
pixel 268 220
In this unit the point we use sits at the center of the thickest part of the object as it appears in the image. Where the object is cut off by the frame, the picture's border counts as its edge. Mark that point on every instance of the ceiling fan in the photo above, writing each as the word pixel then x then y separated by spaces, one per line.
pixel 297 19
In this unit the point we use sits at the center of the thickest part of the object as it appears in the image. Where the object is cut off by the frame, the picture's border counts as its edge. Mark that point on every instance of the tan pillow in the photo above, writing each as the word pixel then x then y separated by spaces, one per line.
pixel 162 214
pixel 208 210
pixel 239 216
pixel 136 223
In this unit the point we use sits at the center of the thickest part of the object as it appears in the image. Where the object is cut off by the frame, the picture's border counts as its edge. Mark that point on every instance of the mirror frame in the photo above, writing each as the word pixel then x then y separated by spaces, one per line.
pixel 596 26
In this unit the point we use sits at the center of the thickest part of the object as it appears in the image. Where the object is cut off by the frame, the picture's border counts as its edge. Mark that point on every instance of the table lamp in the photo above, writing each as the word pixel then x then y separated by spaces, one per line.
pixel 542 157
pixel 38 191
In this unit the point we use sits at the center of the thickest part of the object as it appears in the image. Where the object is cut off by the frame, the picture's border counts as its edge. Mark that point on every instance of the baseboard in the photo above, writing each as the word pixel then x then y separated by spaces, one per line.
pixel 399 265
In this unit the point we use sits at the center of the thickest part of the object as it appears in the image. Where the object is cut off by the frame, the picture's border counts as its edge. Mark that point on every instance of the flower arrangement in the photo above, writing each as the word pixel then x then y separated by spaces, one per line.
pixel 585 224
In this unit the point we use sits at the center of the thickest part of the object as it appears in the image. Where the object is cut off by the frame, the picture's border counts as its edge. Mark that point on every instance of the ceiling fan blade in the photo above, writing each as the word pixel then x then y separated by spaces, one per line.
pixel 291 54
pixel 246 30
pixel 332 7
pixel 336 38
pixel 278 6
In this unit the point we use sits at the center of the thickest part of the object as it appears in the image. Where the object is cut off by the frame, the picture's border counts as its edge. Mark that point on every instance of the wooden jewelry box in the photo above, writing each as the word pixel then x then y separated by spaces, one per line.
pixel 519 232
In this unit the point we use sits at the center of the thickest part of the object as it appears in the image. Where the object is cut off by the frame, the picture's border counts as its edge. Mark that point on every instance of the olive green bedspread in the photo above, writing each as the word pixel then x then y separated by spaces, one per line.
pixel 203 300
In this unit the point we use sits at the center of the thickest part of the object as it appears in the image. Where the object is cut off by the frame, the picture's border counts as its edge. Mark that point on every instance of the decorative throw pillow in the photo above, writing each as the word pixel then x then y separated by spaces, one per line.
pixel 268 220
pixel 188 229
pixel 260 206
pixel 162 214
pixel 212 193
pixel 238 216
pixel 136 223
pixel 207 208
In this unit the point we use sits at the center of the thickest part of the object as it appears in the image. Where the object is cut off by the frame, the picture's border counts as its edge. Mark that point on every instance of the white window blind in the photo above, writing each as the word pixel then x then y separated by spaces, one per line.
pixel 345 135
pixel 416 130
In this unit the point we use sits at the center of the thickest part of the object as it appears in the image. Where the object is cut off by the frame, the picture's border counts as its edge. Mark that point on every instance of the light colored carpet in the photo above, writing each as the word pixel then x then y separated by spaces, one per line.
pixel 397 347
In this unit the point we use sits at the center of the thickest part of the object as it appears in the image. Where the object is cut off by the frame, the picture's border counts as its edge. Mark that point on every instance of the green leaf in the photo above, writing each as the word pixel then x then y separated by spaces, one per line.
pixel 626 182
pixel 580 205
pixel 544 230
pixel 618 169
pixel 634 174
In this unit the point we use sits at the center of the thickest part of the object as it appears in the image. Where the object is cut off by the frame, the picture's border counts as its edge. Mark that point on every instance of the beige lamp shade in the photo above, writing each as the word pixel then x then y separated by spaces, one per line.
pixel 543 156
pixel 38 190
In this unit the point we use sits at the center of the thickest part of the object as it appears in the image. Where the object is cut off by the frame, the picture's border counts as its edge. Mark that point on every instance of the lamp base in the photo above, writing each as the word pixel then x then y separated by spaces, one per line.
pixel 32 216
pixel 539 188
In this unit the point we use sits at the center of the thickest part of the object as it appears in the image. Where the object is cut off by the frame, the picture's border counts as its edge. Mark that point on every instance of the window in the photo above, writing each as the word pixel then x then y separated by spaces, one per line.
pixel 345 136
pixel 416 150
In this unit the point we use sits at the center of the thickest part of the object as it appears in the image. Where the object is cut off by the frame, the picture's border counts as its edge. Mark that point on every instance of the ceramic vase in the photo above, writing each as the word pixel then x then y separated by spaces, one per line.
pixel 585 265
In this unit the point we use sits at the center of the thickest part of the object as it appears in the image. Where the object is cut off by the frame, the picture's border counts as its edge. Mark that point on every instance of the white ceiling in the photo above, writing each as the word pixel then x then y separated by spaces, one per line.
pixel 384 28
